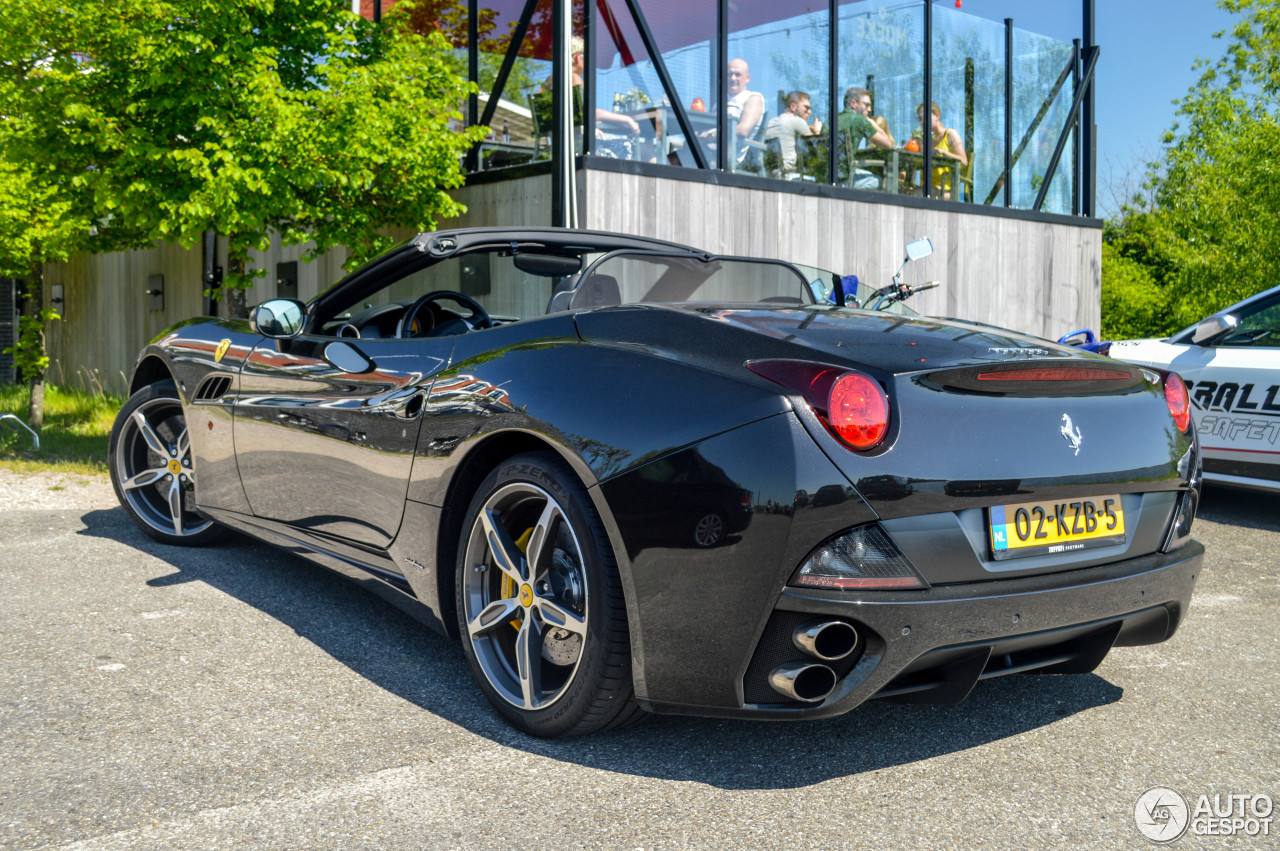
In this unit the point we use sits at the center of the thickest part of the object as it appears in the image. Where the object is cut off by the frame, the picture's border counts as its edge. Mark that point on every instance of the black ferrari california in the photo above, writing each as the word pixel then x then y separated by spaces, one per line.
pixel 632 477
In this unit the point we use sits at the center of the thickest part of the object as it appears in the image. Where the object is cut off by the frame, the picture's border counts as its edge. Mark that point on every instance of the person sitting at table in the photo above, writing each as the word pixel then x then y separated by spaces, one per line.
pixel 611 144
pixel 883 123
pixel 856 128
pixel 745 109
pixel 578 49
pixel 947 145
pixel 788 128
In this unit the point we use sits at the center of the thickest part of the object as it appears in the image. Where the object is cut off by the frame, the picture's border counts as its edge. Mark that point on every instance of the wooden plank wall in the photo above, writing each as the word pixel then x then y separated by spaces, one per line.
pixel 1041 278
pixel 106 319
pixel 1031 276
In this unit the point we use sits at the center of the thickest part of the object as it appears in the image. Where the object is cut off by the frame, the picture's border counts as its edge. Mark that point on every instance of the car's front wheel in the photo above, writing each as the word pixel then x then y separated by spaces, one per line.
pixel 152 470
pixel 540 605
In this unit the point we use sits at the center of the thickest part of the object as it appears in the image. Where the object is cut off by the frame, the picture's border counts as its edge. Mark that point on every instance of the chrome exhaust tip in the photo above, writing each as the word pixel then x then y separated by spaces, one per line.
pixel 829 641
pixel 806 682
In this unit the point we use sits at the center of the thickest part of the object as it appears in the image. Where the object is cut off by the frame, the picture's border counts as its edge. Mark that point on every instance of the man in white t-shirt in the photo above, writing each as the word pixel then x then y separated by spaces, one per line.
pixel 789 127
pixel 745 109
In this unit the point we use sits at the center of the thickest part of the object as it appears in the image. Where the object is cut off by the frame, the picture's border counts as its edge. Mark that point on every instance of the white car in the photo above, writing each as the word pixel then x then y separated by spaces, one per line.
pixel 1231 365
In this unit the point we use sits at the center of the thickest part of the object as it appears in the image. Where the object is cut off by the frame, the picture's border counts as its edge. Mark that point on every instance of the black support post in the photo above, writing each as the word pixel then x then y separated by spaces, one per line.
pixel 561 119
pixel 833 83
pixel 1075 145
pixel 1008 111
pixel 473 74
pixel 1089 151
pixel 926 137
pixel 970 96
pixel 727 144
pixel 588 77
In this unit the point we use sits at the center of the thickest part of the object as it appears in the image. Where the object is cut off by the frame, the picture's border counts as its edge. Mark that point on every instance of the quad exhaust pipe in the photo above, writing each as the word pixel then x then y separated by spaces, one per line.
pixel 829 641
pixel 813 682
pixel 807 682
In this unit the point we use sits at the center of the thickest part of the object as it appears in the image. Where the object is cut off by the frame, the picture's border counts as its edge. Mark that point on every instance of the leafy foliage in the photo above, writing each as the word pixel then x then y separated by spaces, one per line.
pixel 1211 234
pixel 247 117
pixel 1132 302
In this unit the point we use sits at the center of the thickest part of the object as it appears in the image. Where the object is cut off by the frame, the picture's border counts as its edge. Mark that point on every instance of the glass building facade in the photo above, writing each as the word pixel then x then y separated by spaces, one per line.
pixel 1011 81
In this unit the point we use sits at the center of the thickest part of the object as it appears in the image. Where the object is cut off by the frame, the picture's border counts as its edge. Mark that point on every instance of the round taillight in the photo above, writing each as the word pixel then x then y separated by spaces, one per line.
pixel 1175 394
pixel 858 410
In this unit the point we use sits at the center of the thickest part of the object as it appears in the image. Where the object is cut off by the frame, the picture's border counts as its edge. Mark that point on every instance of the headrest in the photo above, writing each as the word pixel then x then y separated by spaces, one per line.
pixel 597 291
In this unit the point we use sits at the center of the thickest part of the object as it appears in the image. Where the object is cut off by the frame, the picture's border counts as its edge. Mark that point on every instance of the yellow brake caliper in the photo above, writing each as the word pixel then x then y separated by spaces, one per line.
pixel 508 588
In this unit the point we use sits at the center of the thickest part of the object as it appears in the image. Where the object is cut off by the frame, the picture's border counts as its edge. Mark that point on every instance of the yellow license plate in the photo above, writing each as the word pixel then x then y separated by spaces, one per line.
pixel 1058 526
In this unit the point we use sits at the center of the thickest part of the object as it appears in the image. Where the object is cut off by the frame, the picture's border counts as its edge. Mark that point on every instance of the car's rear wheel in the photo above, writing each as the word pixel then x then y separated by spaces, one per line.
pixel 152 469
pixel 540 605
pixel 709 530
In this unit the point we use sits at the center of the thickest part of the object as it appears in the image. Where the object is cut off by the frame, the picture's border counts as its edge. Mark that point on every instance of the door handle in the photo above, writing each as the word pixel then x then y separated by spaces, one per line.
pixel 408 406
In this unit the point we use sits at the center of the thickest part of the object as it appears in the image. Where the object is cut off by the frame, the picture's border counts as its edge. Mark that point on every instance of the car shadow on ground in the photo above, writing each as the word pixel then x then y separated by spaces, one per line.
pixel 1239 507
pixel 395 652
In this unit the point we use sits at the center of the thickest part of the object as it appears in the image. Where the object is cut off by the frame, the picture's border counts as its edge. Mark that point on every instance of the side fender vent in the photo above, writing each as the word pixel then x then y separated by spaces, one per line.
pixel 213 388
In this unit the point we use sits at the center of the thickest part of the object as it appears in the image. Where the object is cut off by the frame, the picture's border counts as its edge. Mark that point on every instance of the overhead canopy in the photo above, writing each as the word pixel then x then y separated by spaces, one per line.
pixel 673 23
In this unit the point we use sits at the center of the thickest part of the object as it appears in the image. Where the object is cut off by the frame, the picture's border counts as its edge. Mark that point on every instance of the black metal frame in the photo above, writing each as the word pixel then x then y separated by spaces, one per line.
pixel 1080 68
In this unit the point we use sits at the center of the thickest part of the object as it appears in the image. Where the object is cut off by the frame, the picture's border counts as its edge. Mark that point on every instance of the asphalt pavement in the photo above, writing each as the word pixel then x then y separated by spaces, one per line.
pixel 160 697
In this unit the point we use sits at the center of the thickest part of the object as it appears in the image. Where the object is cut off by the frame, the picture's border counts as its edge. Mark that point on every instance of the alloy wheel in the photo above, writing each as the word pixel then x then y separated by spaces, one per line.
pixel 154 469
pixel 525 596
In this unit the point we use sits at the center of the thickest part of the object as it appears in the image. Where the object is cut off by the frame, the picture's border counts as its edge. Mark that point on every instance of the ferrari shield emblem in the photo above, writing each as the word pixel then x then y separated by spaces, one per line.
pixel 221 350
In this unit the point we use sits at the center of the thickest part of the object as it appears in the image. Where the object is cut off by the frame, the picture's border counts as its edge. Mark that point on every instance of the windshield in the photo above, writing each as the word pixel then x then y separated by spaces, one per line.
pixel 637 278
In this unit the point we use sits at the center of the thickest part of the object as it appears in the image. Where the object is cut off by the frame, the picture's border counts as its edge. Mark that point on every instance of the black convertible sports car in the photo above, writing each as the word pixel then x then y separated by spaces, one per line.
pixel 632 476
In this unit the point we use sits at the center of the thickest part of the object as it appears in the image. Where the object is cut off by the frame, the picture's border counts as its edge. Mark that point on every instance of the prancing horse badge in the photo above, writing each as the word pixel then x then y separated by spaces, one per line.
pixel 1071 434
pixel 221 350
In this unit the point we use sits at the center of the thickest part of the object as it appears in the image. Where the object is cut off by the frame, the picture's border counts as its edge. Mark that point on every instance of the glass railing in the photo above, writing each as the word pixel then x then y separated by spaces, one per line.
pixel 656 92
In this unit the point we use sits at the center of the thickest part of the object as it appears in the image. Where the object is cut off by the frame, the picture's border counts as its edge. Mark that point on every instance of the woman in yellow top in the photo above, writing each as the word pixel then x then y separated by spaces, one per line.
pixel 947 145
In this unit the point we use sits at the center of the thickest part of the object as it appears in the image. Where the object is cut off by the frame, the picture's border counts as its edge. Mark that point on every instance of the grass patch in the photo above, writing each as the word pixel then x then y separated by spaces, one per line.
pixel 77 425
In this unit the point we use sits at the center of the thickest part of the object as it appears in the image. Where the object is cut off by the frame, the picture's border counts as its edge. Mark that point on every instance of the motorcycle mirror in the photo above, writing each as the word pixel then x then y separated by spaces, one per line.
pixel 919 248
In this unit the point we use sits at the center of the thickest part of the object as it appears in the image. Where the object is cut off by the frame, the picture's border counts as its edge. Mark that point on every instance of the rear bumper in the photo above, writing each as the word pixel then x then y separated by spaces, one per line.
pixel 934 646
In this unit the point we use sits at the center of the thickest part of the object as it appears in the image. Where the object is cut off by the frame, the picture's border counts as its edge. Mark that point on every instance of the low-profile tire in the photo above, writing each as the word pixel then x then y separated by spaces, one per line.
pixel 153 471
pixel 540 605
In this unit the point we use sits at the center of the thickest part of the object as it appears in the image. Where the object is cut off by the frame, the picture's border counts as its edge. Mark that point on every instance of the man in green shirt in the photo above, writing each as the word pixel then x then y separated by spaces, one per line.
pixel 856 128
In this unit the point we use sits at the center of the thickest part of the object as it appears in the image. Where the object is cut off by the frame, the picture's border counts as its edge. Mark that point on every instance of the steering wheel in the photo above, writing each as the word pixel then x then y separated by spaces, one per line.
pixel 478 319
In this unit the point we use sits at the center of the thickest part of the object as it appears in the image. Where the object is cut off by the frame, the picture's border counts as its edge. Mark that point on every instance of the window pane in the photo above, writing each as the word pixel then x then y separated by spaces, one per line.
pixel 968 86
pixel 783 45
pixel 629 86
pixel 1041 100
pixel 516 134
pixel 881 51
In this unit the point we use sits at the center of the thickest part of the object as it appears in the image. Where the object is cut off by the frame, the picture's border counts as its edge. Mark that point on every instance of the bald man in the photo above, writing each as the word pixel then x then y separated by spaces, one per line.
pixel 745 107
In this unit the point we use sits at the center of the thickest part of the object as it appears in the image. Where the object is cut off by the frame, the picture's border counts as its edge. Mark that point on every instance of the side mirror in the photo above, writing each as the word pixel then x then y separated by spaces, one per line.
pixel 1212 327
pixel 279 318
pixel 920 248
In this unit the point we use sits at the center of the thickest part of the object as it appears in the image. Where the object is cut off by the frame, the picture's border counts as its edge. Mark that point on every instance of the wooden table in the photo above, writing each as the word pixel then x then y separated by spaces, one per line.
pixel 893 161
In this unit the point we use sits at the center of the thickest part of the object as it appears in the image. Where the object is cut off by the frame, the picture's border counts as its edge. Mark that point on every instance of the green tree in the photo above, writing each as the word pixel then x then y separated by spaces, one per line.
pixel 41 220
pixel 1210 235
pixel 158 120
